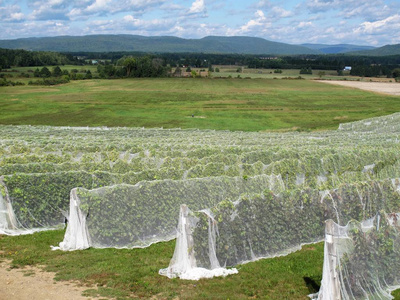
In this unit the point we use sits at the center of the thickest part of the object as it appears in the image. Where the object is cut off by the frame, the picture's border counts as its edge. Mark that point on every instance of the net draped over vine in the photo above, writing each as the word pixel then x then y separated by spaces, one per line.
pixel 126 216
pixel 362 259
pixel 268 225
pixel 108 181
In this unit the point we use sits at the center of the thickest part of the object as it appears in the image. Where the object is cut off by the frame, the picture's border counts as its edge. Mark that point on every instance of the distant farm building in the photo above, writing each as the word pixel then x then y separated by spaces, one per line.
pixel 347 68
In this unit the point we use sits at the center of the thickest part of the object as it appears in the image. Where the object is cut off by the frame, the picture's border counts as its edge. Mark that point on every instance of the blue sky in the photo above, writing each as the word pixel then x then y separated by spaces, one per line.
pixel 372 22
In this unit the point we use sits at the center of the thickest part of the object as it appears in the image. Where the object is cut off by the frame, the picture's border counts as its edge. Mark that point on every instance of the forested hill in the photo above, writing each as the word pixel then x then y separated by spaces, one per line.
pixel 381 51
pixel 338 48
pixel 111 43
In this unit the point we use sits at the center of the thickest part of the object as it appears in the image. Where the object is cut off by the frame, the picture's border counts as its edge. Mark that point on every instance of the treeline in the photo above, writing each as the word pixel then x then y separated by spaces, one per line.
pixel 22 58
pixel 361 65
pixel 45 76
pixel 140 64
pixel 129 66
pixel 367 66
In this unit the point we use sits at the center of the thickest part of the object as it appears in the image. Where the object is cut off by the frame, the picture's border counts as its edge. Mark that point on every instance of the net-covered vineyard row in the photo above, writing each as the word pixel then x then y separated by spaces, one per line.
pixel 271 224
pixel 42 199
pixel 321 160
pixel 361 259
pixel 41 164
pixel 141 177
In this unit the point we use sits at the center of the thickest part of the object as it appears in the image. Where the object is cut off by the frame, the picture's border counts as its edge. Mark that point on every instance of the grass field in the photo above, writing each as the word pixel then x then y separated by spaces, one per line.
pixel 134 273
pixel 234 104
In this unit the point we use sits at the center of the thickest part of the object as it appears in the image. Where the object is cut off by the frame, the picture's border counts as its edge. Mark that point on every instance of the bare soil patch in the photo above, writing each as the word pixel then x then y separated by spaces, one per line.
pixel 390 88
pixel 32 283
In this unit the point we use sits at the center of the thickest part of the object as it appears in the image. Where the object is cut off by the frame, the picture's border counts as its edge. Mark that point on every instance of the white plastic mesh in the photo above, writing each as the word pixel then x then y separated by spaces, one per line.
pixel 76 235
pixel 125 216
pixel 269 225
pixel 183 263
pixel 361 259
pixel 347 171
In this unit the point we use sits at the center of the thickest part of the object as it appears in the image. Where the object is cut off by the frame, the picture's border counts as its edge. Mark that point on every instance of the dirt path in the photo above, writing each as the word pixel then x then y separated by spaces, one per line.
pixel 32 283
pixel 391 88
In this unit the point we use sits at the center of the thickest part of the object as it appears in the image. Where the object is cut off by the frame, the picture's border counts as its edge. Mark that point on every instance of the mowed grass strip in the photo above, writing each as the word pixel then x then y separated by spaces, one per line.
pixel 233 104
pixel 132 273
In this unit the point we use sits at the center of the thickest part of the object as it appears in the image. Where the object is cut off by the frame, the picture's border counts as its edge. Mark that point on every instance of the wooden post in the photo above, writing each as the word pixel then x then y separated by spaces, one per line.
pixel 189 237
pixel 332 259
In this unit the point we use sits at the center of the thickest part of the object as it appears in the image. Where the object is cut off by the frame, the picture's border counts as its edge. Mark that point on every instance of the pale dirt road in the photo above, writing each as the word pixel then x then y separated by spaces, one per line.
pixel 32 283
pixel 391 88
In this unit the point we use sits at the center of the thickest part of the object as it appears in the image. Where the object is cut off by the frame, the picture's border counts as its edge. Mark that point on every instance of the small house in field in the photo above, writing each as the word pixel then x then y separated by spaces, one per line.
pixel 347 68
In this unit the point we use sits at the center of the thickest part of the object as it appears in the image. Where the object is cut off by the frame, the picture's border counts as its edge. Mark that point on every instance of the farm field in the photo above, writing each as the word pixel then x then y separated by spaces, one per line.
pixel 222 104
pixel 234 104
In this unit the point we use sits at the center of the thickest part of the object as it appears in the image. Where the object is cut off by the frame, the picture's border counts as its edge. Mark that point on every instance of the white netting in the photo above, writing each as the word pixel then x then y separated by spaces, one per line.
pixel 361 259
pixel 269 225
pixel 8 221
pixel 183 263
pixel 136 179
pixel 125 216
pixel 76 235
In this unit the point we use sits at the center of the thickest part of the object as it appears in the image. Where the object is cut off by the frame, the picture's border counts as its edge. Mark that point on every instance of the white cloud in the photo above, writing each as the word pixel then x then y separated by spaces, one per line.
pixel 364 9
pixel 11 14
pixel 316 6
pixel 17 16
pixel 321 21
pixel 171 7
pixel 197 7
pixel 279 12
pixel 131 23
pixel 197 10
pixel 47 28
pixel 305 25
pixel 371 11
pixel 262 4
pixel 95 8
pixel 256 24
pixel 390 24
pixel 98 5
pixel 50 10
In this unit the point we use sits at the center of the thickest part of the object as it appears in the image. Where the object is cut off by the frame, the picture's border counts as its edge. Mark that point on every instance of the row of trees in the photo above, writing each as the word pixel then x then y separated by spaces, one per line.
pixel 22 58
pixel 123 64
pixel 134 67
pixel 58 72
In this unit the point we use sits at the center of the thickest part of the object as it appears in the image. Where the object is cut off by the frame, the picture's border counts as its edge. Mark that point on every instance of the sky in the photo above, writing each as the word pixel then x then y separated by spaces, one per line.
pixel 361 22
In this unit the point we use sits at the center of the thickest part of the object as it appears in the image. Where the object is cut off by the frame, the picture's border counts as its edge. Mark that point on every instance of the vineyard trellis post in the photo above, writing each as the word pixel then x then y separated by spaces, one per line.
pixel 332 260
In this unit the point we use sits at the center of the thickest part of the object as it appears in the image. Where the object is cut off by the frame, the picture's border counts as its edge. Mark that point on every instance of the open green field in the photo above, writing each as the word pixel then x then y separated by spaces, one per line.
pixel 233 104
pixel 225 71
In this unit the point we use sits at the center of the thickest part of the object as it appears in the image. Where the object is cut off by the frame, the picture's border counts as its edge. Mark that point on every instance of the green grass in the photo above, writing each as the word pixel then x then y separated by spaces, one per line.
pixel 226 71
pixel 233 104
pixel 127 273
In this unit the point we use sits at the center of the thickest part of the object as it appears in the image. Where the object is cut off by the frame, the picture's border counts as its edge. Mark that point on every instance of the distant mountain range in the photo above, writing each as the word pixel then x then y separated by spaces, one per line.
pixel 163 44
pixel 381 51
pixel 339 48
pixel 115 43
